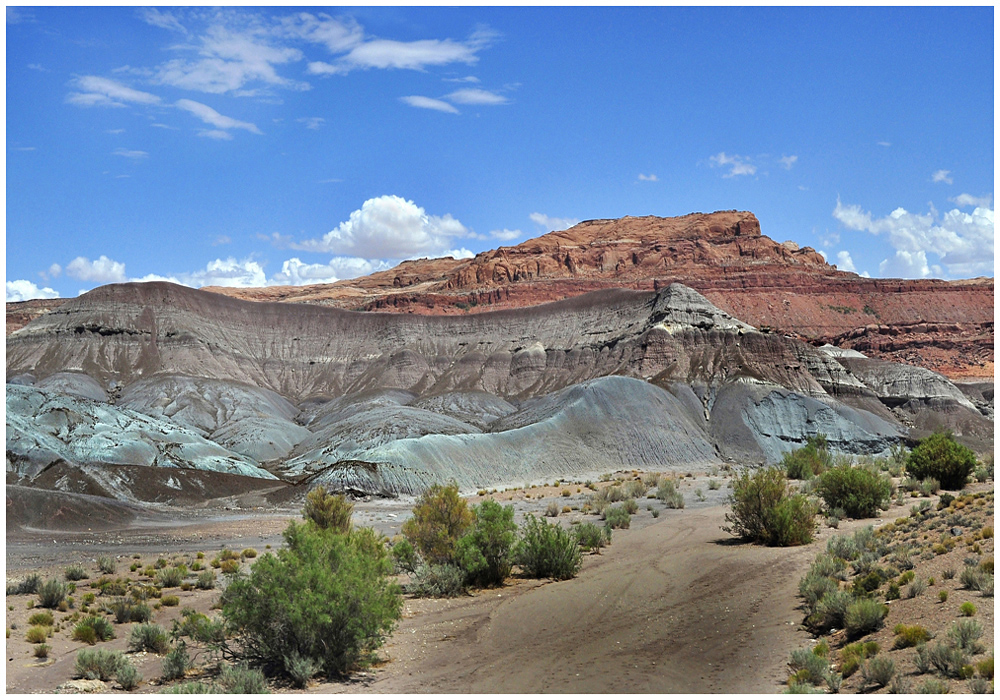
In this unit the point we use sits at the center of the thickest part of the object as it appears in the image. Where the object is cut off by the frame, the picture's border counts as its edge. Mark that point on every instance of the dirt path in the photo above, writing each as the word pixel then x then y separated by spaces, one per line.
pixel 674 607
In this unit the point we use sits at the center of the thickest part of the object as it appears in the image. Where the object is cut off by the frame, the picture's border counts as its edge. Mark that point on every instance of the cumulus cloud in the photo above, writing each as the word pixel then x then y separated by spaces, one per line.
pixel 210 116
pixel 476 96
pixel 942 176
pixel 845 262
pixel 788 161
pixel 506 234
pixel 967 200
pixel 648 178
pixel 104 270
pixel 428 103
pixel 295 272
pixel 962 242
pixel 23 290
pixel 738 165
pixel 390 227
pixel 552 223
pixel 104 92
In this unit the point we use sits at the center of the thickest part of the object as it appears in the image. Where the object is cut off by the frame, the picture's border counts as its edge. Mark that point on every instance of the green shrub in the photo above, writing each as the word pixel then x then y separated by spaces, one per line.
pixel 405 556
pixel 617 517
pixel 943 596
pixel 51 593
pixel 148 637
pixel 93 628
pixel 813 587
pixel 591 537
pixel 206 580
pixel 170 601
pixel 965 635
pixel 852 655
pixel 242 680
pixel 326 596
pixel 126 610
pixel 809 666
pixel 941 457
pixel 929 487
pixel 948 660
pixel 486 551
pixel 106 564
pixel 437 581
pixel 547 550
pixel 301 669
pixel 858 491
pixel 809 461
pixel 176 662
pixel 668 494
pixel 127 675
pixel 194 688
pixel 910 636
pixel 75 572
pixel 863 616
pixel 41 651
pixel 635 489
pixel 29 585
pixel 631 507
pixel 933 686
pixel 43 618
pixel 440 518
pixel 832 609
pixel 170 578
pixel 764 511
pixel 97 664
pixel 985 668
pixel 967 609
pixel 916 588
pixel 328 511
pixel 878 671
pixel 37 634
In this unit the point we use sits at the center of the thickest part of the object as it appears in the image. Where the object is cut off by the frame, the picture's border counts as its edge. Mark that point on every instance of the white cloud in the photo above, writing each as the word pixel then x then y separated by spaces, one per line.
pixel 967 200
pixel 844 261
pixel 104 92
pixel 552 223
pixel 963 242
pixel 158 125
pixel 942 176
pixel 222 240
pixel 104 269
pixel 312 122
pixel 648 178
pixel 217 134
pixel 390 227
pixel 132 155
pixel 210 116
pixel 338 35
pixel 466 79
pixel 476 96
pixel 506 234
pixel 22 290
pixel 788 161
pixel 413 55
pixel 295 272
pixel 739 164
pixel 884 144
pixel 164 20
pixel 39 67
pixel 428 103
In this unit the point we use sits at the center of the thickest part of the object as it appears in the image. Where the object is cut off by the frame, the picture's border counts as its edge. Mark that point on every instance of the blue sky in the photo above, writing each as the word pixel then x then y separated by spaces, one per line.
pixel 253 146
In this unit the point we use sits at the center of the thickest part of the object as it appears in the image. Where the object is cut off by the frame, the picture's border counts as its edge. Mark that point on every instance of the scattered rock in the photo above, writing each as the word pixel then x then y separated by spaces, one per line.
pixel 83 686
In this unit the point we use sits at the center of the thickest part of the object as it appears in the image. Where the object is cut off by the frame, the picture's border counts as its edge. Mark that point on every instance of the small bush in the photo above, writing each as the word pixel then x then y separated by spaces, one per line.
pixel 910 636
pixel 858 491
pixel 809 666
pixel 169 578
pixel 852 655
pixel 864 616
pixel 106 564
pixel 128 676
pixel 176 662
pixel 148 637
pixel 102 629
pixel 230 566
pixel 29 585
pixel 405 556
pixel 206 580
pixel 979 686
pixel 486 551
pixel 965 635
pixel 617 517
pixel 552 509
pixel 967 609
pixel 933 687
pixel 916 588
pixel 328 511
pixel 301 669
pixel 75 572
pixel 591 537
pixel 941 457
pixel 41 651
pixel 97 664
pixel 51 593
pixel 37 634
pixel 437 581
pixel 809 461
pixel 547 550
pixel 973 578
pixel 43 618
pixel 878 671
pixel 943 596
pixel 170 601
pixel 764 511
pixel 668 494
pixel 985 668
pixel 249 553
pixel 243 680
pixel 948 660
pixel 832 609
pixel 440 518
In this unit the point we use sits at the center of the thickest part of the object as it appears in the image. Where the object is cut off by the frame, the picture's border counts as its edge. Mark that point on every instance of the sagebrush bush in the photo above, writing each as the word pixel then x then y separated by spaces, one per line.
pixel 102 629
pixel 127 675
pixel 591 537
pixel 486 551
pixel 808 461
pixel 36 634
pixel 75 572
pixel 301 669
pixel 51 593
pixel 864 615
pixel 327 510
pixel 327 595
pixel 547 550
pixel 965 635
pixel 148 637
pixel 668 494
pixel 635 489
pixel 941 457
pixel 617 517
pixel 97 664
pixel 440 518
pixel 30 584
pixel 126 610
pixel 878 671
pixel 552 509
pixel 809 666
pixel 106 564
pixel 857 490
pixel 764 511
pixel 206 580
pixel 176 662
pixel 948 660
pixel 437 581
pixel 242 680
pixel 832 609
pixel 170 578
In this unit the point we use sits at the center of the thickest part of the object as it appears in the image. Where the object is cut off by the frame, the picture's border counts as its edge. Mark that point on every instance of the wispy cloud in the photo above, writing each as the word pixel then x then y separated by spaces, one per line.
pixel 648 178
pixel 967 200
pixel 738 165
pixel 429 103
pixel 210 116
pixel 466 79
pixel 164 20
pixel 476 96
pixel 104 92
pixel 132 155
pixel 409 55
pixel 552 223
pixel 884 144
pixel 222 240
pixel 506 234
pixel 39 67
pixel 788 161
pixel 313 123
pixel 942 176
